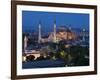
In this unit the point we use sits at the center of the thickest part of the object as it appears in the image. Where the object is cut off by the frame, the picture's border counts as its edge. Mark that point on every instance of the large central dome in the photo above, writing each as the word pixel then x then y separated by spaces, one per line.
pixel 63 29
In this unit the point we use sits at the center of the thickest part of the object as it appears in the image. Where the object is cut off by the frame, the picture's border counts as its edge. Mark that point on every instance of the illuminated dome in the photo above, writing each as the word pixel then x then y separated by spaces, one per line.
pixel 63 29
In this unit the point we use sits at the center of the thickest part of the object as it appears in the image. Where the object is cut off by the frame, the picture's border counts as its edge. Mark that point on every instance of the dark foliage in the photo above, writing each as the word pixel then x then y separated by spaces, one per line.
pixel 30 58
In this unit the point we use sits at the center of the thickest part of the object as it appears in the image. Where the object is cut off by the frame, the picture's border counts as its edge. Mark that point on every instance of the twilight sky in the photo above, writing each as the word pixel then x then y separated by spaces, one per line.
pixel 31 19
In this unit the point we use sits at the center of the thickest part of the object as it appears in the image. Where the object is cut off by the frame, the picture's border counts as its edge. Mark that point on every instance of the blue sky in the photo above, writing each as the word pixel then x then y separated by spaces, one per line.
pixel 31 19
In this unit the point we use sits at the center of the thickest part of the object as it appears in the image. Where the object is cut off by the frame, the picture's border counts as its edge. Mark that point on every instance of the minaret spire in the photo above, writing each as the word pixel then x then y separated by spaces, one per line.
pixel 55 30
pixel 83 39
pixel 39 35
pixel 25 43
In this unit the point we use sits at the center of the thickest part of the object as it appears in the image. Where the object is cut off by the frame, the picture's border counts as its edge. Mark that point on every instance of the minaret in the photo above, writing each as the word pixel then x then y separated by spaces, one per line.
pixel 70 28
pixel 25 43
pixel 55 31
pixel 83 39
pixel 39 35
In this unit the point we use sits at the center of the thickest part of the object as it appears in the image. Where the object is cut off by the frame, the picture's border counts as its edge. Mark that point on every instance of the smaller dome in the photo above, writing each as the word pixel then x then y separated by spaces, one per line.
pixel 63 29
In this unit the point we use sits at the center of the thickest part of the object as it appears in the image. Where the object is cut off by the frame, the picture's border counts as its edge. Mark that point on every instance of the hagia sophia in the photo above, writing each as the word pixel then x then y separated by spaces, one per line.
pixel 57 35
pixel 63 34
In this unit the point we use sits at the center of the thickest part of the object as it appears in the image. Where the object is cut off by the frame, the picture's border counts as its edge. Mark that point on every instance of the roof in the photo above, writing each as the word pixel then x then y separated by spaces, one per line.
pixel 63 29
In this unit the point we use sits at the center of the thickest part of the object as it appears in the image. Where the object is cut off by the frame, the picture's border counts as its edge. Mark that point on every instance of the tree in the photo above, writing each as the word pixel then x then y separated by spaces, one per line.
pixel 78 54
pixel 30 58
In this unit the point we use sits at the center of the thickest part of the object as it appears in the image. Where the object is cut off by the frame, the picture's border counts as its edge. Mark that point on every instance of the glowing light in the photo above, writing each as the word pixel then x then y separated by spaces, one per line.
pixel 83 29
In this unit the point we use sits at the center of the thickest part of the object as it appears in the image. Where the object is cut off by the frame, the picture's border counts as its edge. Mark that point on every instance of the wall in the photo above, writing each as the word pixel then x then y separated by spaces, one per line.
pixel 5 37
